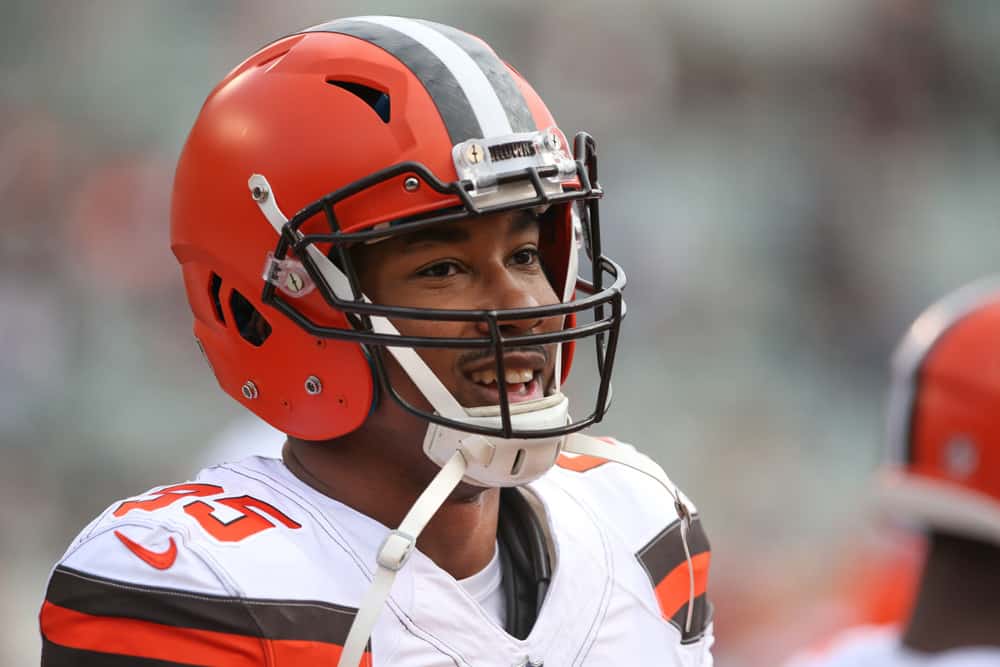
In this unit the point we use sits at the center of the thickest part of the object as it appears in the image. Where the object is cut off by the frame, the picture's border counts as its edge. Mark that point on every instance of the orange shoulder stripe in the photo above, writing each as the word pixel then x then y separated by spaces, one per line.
pixel 145 639
pixel 672 591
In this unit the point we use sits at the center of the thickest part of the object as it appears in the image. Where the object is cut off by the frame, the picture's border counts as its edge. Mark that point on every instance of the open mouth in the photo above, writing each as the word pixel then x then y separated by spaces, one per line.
pixel 524 377
pixel 523 384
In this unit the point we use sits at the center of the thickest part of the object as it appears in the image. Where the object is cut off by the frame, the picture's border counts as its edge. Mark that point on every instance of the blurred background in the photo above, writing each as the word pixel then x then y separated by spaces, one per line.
pixel 789 183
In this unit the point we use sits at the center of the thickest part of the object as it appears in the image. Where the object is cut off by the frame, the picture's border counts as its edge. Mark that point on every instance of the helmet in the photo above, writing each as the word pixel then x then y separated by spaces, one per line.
pixel 943 462
pixel 354 131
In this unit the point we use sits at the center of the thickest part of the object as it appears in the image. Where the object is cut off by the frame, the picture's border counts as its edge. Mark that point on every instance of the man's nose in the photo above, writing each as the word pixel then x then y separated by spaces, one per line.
pixel 506 292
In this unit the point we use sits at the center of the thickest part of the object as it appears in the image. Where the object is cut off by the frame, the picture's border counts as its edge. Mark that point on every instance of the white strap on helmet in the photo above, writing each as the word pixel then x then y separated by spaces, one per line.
pixel 430 385
pixel 261 192
pixel 393 554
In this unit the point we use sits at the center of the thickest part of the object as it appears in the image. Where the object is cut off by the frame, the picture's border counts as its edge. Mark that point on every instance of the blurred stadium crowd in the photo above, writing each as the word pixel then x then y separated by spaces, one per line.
pixel 789 183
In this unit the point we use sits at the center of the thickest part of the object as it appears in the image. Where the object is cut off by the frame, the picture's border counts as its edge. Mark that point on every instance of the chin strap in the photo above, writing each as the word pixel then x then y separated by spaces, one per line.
pixel 579 443
pixel 393 554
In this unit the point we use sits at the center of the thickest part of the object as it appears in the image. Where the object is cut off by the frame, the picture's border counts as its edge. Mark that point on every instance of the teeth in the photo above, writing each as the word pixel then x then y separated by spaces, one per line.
pixel 487 376
pixel 515 375
pixel 511 375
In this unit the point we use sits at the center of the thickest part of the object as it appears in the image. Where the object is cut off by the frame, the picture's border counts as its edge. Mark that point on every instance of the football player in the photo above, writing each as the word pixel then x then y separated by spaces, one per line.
pixel 378 222
pixel 943 473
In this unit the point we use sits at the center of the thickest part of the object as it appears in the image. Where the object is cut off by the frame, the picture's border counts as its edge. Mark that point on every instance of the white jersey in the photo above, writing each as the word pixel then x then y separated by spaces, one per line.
pixel 247 565
pixel 881 647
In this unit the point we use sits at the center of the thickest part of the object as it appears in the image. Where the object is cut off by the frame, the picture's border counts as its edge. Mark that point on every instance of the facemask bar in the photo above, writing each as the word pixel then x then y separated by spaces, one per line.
pixel 349 299
pixel 585 145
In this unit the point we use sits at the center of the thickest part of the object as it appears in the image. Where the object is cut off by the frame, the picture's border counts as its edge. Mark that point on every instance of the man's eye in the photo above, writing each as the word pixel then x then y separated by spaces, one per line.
pixel 439 270
pixel 525 256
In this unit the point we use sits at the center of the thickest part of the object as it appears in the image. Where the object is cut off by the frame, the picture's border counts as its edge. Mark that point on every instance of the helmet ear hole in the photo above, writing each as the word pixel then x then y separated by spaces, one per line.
pixel 252 326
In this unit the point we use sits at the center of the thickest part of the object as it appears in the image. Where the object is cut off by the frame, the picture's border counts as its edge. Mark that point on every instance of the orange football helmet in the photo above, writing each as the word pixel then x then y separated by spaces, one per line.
pixel 943 466
pixel 366 128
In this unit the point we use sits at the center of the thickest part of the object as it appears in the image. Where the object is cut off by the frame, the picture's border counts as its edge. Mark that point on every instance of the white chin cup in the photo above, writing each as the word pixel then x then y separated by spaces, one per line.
pixel 503 461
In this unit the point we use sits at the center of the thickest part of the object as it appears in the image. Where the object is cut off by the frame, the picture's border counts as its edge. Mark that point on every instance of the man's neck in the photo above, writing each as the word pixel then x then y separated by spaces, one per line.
pixel 959 598
pixel 383 483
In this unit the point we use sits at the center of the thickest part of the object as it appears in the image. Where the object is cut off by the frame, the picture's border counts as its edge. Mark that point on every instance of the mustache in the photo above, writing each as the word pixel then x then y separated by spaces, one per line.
pixel 476 355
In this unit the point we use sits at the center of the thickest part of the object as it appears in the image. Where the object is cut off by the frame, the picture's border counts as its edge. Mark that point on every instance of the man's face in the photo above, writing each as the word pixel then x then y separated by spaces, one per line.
pixel 488 263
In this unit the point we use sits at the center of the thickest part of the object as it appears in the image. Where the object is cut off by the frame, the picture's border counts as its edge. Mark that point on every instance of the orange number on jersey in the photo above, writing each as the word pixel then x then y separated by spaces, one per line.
pixel 168 495
pixel 250 523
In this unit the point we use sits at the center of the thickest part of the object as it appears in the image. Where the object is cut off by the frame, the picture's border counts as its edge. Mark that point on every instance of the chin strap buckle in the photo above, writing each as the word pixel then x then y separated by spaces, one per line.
pixel 288 275
pixel 393 554
pixel 395 550
pixel 683 513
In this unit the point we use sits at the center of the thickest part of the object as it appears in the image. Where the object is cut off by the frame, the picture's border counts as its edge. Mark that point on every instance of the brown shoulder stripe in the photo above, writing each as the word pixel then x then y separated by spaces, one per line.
pixel 665 552
pixel 302 620
pixel 666 565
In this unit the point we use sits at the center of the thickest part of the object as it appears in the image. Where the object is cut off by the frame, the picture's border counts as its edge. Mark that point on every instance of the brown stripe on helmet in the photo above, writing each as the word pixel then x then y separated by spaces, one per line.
pixel 444 89
pixel 496 72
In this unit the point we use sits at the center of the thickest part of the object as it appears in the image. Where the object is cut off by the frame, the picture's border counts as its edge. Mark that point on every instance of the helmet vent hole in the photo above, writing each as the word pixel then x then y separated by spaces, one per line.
pixel 252 326
pixel 214 285
pixel 376 99
pixel 518 462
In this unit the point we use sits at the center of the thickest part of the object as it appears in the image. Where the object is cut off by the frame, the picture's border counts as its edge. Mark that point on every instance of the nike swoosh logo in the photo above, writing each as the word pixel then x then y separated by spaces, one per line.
pixel 161 560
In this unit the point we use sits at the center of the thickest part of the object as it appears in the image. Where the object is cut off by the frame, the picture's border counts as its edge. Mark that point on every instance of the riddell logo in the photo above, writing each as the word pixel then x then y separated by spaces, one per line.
pixel 161 560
